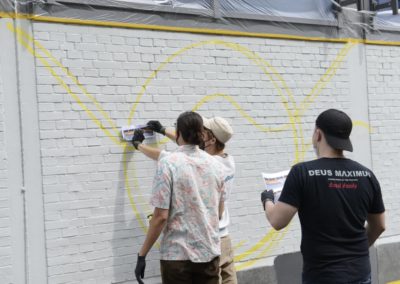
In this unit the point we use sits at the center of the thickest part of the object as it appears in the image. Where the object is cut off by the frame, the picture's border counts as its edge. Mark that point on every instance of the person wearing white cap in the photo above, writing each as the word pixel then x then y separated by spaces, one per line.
pixel 217 132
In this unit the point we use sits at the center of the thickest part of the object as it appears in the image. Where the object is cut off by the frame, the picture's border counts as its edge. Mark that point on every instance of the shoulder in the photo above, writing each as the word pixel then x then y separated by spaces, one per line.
pixel 167 157
pixel 358 165
pixel 302 166
pixel 226 160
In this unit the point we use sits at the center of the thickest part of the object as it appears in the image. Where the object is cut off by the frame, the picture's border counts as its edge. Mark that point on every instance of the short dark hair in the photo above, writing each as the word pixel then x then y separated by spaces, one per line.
pixel 190 126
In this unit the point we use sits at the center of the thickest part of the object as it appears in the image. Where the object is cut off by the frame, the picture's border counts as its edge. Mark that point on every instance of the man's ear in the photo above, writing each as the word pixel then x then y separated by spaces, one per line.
pixel 319 135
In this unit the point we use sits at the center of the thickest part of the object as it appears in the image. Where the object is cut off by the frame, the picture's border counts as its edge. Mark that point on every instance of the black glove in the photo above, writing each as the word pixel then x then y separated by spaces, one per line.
pixel 156 126
pixel 140 267
pixel 267 195
pixel 137 138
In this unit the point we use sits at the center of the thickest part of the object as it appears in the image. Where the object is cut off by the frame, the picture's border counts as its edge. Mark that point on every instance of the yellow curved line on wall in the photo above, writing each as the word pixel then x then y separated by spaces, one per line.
pixel 363 124
pixel 325 79
pixel 263 64
pixel 242 112
pixel 277 236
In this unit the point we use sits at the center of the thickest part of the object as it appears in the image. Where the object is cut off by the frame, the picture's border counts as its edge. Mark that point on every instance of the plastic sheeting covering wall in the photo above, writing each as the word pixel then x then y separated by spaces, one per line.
pixel 387 19
pixel 309 9
pixel 303 18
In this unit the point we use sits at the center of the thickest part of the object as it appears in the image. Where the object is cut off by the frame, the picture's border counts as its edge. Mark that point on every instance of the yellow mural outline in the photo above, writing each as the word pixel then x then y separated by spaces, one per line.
pixel 294 117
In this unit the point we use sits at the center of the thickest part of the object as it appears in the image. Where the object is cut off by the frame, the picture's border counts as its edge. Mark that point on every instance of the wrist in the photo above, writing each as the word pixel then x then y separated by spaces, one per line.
pixel 141 256
pixel 162 130
pixel 266 200
pixel 136 144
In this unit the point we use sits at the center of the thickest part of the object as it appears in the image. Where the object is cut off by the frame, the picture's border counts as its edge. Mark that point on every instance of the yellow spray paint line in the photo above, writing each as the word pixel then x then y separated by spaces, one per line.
pixel 239 245
pixel 256 247
pixel 394 282
pixel 250 55
pixel 139 217
pixel 242 112
pixel 316 91
pixel 131 199
pixel 363 124
pixel 277 237
pixel 263 253
pixel 91 115
pixel 262 63
pixel 326 78
pixel 36 43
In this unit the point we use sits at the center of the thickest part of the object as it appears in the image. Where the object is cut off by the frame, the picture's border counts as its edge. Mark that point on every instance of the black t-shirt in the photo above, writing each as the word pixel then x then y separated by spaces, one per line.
pixel 334 197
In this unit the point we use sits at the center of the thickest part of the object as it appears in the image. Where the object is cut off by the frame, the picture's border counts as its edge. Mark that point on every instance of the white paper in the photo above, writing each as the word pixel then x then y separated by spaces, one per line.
pixel 275 181
pixel 128 131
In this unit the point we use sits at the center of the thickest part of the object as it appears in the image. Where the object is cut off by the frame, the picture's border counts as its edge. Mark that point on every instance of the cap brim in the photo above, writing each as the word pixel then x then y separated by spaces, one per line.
pixel 339 143
pixel 206 122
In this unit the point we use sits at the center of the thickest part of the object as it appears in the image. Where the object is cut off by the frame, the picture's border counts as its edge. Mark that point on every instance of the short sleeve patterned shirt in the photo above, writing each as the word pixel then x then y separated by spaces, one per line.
pixel 190 183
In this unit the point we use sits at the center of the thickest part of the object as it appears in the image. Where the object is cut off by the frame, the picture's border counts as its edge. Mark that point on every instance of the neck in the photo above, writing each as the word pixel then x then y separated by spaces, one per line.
pixel 330 153
pixel 213 152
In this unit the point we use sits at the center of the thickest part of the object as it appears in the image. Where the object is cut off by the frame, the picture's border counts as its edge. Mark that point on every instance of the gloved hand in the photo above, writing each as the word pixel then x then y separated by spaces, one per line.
pixel 140 267
pixel 156 126
pixel 137 138
pixel 267 195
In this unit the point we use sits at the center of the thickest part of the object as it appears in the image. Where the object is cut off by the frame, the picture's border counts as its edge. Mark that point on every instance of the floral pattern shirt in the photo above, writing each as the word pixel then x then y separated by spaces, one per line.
pixel 190 183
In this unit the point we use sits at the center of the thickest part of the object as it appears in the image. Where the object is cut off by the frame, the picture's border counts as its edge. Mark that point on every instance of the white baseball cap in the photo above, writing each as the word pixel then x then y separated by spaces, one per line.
pixel 219 127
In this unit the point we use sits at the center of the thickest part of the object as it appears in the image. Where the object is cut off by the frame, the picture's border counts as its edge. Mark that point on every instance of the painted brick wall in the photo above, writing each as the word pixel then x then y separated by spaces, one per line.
pixel 96 191
pixel 384 97
pixel 5 231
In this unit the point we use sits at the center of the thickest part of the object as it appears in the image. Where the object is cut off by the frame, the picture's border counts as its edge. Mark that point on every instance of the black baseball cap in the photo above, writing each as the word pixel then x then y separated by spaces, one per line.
pixel 336 125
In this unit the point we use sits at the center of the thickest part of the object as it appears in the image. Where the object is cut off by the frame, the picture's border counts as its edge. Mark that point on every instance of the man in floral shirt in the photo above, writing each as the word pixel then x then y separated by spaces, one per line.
pixel 188 199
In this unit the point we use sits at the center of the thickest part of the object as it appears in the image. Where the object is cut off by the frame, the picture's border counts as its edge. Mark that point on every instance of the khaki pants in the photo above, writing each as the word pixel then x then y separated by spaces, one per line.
pixel 185 272
pixel 226 264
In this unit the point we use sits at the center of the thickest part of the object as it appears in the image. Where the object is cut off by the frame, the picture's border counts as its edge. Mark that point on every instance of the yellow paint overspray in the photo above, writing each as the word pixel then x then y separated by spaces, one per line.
pixel 295 121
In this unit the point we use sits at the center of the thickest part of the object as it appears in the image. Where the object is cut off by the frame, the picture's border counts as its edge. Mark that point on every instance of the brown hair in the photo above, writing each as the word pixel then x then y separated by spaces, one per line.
pixel 190 126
